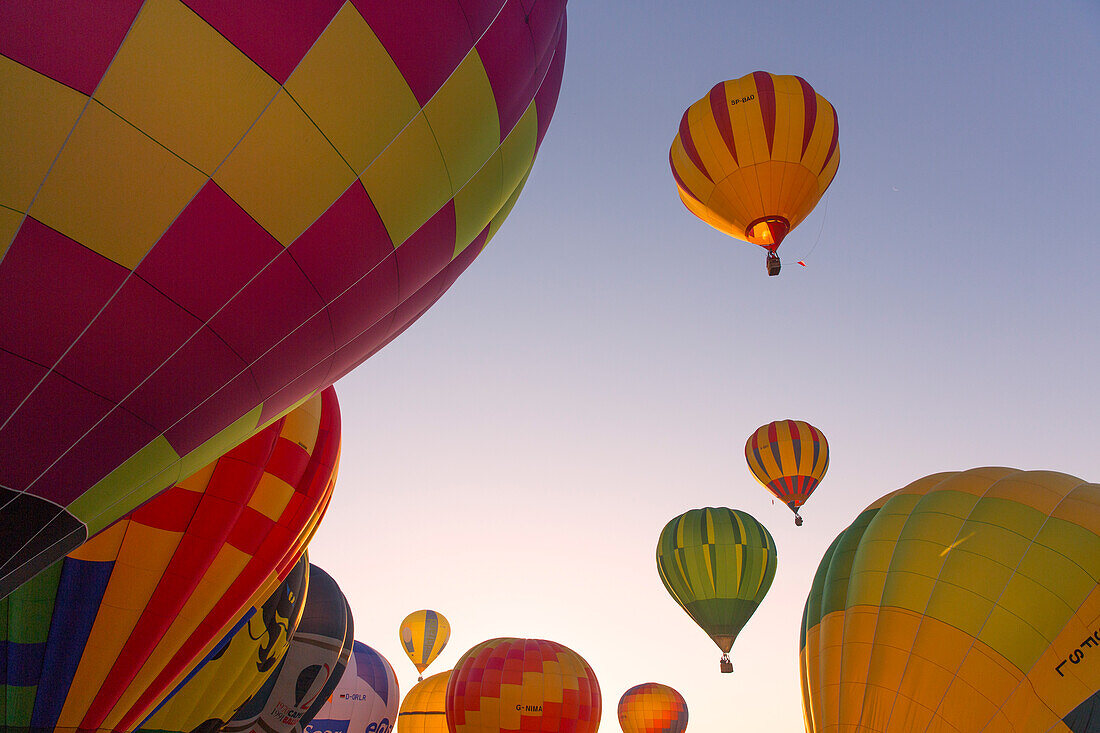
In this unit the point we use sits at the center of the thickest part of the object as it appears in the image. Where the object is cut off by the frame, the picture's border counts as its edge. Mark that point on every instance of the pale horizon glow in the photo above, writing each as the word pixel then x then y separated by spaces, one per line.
pixel 511 459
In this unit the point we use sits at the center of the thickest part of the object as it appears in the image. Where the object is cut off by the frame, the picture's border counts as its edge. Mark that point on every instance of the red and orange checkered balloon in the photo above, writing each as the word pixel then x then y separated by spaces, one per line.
pixel 652 708
pixel 212 210
pixel 520 685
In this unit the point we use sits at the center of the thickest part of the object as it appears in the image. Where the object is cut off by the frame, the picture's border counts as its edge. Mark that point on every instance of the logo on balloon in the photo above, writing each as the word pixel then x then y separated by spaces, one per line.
pixel 328 726
pixel 529 708
pixel 382 726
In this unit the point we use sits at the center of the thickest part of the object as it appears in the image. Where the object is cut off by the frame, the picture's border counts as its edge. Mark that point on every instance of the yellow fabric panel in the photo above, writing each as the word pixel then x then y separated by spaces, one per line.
pixel 408 181
pixel 697 184
pixel 821 137
pixel 1030 493
pixel 352 90
pixel 990 673
pixel 153 468
pixel 710 144
pixel 271 496
pixel 518 150
pixel 495 709
pixel 478 200
pixel 743 203
pixel 463 117
pixel 225 568
pixel 756 138
pixel 498 220
pixel 182 83
pixel 284 172
pixel 124 600
pixel 790 113
pixel 36 116
pixel 303 424
pixel 10 221
pixel 114 189
pixel 798 194
pixel 104 546
pixel 1065 687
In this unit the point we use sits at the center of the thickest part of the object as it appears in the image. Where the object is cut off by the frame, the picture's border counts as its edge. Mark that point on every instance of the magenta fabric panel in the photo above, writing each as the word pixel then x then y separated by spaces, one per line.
pixel 140 328
pixel 50 287
pixel 547 98
pixel 203 365
pixel 275 34
pixel 267 309
pixel 427 251
pixel 294 356
pixel 480 14
pixel 222 408
pixel 360 348
pixel 113 440
pixel 313 379
pixel 508 54
pixel 349 239
pixel 71 41
pixel 425 52
pixel 19 376
pixel 22 460
pixel 210 252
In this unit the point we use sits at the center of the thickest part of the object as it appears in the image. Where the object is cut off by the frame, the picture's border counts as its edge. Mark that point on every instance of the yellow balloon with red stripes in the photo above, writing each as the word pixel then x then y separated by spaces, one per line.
pixel 754 156
pixel 789 457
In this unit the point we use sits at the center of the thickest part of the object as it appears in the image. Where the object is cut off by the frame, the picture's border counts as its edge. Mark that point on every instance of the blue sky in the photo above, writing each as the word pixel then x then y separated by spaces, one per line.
pixel 511 459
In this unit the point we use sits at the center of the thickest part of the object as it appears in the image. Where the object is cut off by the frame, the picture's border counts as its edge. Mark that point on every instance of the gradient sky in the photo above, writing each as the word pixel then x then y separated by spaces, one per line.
pixel 511 459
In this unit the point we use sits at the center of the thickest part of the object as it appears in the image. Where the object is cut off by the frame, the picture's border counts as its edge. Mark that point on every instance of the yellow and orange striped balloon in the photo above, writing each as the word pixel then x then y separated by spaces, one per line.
pixel 753 157
pixel 789 457
pixel 424 709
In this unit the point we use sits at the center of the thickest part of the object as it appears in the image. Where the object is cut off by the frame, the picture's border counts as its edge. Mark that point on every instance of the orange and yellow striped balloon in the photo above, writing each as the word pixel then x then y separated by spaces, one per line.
pixel 753 157
pixel 965 601
pixel 652 708
pixel 789 457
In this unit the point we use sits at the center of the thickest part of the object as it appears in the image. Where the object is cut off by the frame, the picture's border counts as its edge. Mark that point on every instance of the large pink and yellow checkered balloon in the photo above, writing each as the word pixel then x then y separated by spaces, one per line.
pixel 211 210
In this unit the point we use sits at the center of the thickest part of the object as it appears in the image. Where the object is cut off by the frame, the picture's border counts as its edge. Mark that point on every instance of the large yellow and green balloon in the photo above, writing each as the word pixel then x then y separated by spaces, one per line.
pixel 753 157
pixel 718 564
pixel 965 601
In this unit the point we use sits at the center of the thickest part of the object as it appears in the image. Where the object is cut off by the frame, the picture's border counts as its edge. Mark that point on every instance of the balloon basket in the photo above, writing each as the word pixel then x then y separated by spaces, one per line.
pixel 725 664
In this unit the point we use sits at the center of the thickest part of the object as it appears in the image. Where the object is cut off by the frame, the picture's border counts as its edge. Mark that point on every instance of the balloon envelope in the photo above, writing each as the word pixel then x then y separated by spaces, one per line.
pixel 316 653
pixel 963 601
pixel 753 157
pixel 366 699
pixel 117 623
pixel 718 564
pixel 652 708
pixel 237 665
pixel 424 709
pixel 423 636
pixel 210 211
pixel 789 458
pixel 505 685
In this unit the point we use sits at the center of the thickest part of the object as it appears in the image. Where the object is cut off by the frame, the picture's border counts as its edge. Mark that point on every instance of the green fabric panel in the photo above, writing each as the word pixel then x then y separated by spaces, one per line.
pixel 835 588
pixel 1009 514
pixel 811 611
pixel 30 607
pixel 1035 604
pixel 20 705
pixel 1018 642
pixel 953 503
pixel 1055 571
pixel 982 575
pixel 1075 542
pixel 929 526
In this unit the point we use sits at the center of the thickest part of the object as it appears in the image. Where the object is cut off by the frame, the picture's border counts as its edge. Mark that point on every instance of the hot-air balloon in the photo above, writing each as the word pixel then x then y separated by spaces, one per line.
pixel 424 709
pixel 319 650
pixel 522 685
pixel 365 700
pixel 789 457
pixel 652 708
pixel 753 157
pixel 965 601
pixel 718 564
pixel 103 635
pixel 211 211
pixel 237 665
pixel 423 635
